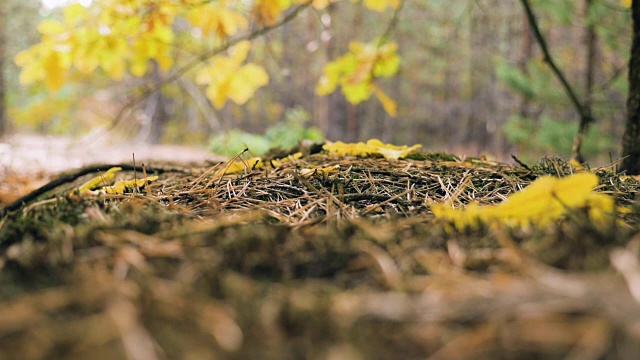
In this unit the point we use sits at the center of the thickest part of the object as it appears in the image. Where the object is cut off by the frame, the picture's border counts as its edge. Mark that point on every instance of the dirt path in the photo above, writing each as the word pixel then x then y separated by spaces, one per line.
pixel 29 161
pixel 51 154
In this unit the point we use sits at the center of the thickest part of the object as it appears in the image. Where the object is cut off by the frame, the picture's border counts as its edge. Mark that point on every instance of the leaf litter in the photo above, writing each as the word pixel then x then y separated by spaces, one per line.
pixel 317 256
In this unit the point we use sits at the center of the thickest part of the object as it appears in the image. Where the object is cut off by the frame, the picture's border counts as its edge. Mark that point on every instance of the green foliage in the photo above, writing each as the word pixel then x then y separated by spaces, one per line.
pixel 533 82
pixel 513 77
pixel 553 136
pixel 284 135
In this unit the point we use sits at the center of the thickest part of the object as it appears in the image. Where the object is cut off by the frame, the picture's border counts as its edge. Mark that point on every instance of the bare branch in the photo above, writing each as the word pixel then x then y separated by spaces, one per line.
pixel 586 117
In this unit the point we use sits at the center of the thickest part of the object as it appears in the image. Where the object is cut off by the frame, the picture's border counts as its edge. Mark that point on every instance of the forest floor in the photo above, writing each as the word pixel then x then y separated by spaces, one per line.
pixel 318 257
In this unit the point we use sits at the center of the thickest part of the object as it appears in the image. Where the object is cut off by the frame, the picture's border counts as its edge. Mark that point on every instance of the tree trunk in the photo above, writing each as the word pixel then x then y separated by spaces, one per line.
pixel 590 44
pixel 160 117
pixel 631 138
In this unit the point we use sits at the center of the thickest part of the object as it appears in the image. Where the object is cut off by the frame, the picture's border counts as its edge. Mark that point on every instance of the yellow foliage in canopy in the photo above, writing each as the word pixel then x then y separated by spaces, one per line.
pixel 218 18
pixel 268 11
pixel 120 37
pixel 381 5
pixel 226 77
pixel 372 147
pixel 543 202
pixel 626 3
pixel 356 73
pixel 112 36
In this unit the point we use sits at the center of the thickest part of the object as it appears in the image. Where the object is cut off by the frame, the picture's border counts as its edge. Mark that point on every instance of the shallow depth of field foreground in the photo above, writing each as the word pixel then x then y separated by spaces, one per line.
pixel 317 257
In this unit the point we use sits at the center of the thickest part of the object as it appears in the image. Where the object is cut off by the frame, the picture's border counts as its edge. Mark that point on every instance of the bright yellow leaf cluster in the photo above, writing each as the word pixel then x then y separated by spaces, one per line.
pixel 266 12
pixel 113 35
pixel 626 3
pixel 372 147
pixel 543 202
pixel 357 71
pixel 227 78
pixel 120 187
pixel 219 17
pixel 117 36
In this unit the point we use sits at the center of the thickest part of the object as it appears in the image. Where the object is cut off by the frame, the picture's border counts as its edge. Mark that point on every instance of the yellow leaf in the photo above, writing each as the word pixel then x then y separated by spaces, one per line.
pixel 277 162
pixel 390 151
pixel 246 81
pixel 626 3
pixel 73 12
pixel 217 18
pixel 543 202
pixel 239 166
pixel 577 165
pixel 121 186
pixel 381 5
pixel 55 72
pixel 102 179
pixel 226 77
pixel 372 147
pixel 324 171
pixel 266 12
pixel 357 71
pixel 50 27
pixel 388 104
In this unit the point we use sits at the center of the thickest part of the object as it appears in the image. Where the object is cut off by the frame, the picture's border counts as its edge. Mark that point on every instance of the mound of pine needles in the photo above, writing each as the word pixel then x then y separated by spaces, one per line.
pixel 317 257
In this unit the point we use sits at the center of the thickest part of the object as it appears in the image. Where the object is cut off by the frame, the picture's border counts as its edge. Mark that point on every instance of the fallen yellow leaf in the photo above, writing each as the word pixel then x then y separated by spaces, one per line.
pixel 543 202
pixel 121 186
pixel 372 147
pixel 102 179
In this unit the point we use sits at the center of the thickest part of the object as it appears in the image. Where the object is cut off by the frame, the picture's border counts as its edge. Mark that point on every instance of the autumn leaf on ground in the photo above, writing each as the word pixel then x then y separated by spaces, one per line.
pixel 543 202
pixel 238 166
pixel 372 147
pixel 323 171
pixel 101 179
pixel 121 186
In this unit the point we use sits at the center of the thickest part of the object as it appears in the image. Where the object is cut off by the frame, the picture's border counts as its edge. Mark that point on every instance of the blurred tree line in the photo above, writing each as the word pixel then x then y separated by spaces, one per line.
pixel 472 80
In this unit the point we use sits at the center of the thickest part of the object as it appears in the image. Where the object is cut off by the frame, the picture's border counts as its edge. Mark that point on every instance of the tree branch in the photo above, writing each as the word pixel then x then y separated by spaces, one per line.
pixel 586 117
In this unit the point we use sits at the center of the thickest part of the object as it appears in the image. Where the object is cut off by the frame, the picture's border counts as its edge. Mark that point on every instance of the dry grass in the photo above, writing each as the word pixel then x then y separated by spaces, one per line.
pixel 297 263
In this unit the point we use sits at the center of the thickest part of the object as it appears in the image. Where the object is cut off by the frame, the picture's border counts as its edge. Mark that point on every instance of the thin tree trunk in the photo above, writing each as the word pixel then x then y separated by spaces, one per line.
pixel 590 42
pixel 3 84
pixel 631 138
pixel 586 117
pixel 527 54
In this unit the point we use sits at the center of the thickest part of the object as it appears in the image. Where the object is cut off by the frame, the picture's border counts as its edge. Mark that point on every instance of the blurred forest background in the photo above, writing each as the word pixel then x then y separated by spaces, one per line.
pixel 472 80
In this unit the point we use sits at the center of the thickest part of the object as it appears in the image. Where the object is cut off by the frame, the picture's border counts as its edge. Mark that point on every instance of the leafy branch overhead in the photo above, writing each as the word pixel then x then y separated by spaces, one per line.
pixel 121 38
